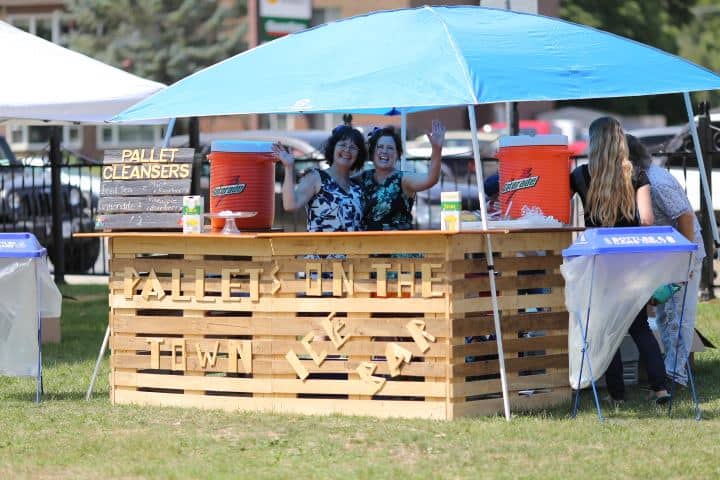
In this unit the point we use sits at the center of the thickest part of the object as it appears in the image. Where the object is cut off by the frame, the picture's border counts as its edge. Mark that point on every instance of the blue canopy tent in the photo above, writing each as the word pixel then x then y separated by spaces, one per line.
pixel 425 58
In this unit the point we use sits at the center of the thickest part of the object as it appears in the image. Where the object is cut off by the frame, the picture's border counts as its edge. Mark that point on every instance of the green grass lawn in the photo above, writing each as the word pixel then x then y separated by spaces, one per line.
pixel 67 437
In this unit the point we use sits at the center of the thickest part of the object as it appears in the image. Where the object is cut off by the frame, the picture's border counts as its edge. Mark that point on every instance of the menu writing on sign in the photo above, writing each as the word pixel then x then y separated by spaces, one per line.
pixel 142 188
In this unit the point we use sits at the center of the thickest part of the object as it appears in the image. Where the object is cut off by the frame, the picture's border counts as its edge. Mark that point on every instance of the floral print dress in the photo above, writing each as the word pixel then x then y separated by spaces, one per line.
pixel 334 209
pixel 387 207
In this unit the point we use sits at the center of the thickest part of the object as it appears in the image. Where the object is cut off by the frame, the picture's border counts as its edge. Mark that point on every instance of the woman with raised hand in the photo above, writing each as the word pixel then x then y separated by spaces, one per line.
pixel 390 192
pixel 615 196
pixel 333 201
pixel 672 207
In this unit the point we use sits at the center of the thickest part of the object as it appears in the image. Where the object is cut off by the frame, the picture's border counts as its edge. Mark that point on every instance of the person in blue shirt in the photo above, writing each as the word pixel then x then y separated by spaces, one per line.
pixel 672 207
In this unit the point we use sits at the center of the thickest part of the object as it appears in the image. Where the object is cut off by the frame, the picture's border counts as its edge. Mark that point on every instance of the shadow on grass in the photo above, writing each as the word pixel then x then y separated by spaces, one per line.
pixel 83 323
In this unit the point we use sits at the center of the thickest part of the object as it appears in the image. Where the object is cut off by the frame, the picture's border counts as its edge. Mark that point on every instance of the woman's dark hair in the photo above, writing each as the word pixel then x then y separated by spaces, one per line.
pixel 346 132
pixel 378 133
pixel 638 154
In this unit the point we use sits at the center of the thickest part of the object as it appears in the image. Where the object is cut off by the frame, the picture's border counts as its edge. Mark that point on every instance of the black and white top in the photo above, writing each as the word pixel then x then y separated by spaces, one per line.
pixel 334 209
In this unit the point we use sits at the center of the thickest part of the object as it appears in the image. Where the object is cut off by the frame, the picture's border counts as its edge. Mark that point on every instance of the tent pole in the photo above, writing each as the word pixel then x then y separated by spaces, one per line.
pixel 168 132
pixel 490 263
pixel 701 167
pixel 403 136
pixel 586 353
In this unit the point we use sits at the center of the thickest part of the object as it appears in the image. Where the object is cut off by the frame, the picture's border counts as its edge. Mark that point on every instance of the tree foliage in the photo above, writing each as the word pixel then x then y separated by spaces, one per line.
pixel 653 22
pixel 162 40
pixel 699 41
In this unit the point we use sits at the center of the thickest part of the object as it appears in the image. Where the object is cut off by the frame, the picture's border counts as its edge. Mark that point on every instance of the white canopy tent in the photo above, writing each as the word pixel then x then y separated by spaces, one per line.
pixel 44 81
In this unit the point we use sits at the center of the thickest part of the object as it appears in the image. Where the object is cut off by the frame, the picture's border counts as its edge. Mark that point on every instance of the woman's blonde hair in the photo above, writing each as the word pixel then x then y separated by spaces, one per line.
pixel 611 193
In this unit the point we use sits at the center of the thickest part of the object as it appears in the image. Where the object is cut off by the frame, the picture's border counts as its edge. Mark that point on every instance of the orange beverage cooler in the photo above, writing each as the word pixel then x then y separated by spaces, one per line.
pixel 242 179
pixel 534 172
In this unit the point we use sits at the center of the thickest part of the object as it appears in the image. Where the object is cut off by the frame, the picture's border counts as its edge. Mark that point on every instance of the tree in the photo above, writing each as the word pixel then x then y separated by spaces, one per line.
pixel 699 41
pixel 162 40
pixel 653 22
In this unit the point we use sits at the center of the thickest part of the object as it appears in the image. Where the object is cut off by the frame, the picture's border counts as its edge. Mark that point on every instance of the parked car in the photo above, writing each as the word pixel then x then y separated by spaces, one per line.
pixel 656 139
pixel 457 143
pixel 577 138
pixel 26 206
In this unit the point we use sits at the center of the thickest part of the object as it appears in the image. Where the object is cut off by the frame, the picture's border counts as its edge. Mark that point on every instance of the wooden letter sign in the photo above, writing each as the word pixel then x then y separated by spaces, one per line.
pixel 143 188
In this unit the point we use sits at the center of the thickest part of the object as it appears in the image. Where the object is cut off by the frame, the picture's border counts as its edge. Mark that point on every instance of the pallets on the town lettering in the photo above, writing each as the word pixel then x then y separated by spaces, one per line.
pixel 369 324
pixel 143 188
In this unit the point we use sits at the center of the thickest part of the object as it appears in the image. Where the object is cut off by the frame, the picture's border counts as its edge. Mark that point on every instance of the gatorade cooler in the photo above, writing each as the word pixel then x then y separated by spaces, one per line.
pixel 534 172
pixel 242 179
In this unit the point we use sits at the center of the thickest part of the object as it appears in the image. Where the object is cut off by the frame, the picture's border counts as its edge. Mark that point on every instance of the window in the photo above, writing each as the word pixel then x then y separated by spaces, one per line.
pixel 53 27
pixel 33 138
pixel 324 15
pixel 277 122
pixel 118 136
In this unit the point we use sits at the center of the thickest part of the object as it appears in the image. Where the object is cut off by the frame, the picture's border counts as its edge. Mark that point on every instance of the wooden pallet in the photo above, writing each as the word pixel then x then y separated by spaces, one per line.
pixel 269 322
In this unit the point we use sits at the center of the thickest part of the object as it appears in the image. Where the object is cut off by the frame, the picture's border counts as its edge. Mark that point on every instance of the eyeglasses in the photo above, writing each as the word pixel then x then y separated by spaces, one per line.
pixel 346 146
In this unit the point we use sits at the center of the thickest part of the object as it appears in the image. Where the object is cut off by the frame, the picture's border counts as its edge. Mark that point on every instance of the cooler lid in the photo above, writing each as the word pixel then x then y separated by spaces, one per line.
pixel 528 140
pixel 240 146
pixel 20 245
pixel 601 241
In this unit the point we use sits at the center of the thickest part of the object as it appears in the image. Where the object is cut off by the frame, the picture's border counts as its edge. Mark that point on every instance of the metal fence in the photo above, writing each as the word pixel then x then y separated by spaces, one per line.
pixel 26 205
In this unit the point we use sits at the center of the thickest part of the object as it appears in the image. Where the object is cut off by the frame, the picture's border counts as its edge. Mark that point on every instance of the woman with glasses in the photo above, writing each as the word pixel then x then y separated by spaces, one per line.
pixel 389 192
pixel 334 203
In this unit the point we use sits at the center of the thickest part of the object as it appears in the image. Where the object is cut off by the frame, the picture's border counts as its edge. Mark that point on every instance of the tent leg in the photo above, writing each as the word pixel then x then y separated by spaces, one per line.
pixel 97 363
pixel 38 381
pixel 490 263
pixel 698 414
pixel 585 353
pixel 701 168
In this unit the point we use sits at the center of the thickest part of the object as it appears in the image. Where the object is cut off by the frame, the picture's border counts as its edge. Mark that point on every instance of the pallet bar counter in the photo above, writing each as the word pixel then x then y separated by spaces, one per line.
pixel 386 324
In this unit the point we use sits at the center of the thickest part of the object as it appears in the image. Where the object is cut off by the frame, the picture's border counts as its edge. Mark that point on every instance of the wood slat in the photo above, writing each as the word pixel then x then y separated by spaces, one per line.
pixel 554 299
pixel 489 367
pixel 316 406
pixel 290 305
pixel 263 325
pixel 510 345
pixel 517 402
pixel 537 321
pixel 275 385
pixel 274 346
pixel 129 360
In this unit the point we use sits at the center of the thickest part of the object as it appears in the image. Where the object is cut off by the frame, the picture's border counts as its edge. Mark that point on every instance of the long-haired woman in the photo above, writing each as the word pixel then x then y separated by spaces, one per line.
pixel 613 195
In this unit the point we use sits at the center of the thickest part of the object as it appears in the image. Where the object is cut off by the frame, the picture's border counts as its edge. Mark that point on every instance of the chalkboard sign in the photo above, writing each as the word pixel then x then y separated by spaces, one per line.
pixel 143 188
